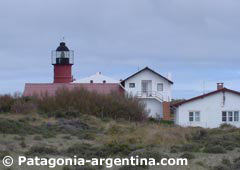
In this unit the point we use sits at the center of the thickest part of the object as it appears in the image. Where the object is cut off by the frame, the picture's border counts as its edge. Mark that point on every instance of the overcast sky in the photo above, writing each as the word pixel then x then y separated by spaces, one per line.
pixel 198 41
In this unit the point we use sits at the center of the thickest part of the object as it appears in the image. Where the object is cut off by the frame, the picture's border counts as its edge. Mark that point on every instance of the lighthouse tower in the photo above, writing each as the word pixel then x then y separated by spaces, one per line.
pixel 62 60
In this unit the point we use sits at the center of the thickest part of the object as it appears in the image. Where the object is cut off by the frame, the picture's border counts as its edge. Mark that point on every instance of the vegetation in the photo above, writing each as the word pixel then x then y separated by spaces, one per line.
pixel 91 125
pixel 72 103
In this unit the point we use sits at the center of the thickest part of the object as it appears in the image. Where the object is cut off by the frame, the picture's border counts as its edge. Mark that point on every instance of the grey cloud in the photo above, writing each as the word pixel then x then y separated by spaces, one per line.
pixel 119 36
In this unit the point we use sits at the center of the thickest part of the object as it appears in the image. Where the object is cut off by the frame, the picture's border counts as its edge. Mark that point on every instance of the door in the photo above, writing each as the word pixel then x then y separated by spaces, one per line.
pixel 146 87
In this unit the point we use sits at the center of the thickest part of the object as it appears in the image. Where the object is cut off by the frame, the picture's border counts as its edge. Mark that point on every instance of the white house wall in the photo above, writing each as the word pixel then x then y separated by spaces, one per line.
pixel 154 107
pixel 210 108
pixel 148 75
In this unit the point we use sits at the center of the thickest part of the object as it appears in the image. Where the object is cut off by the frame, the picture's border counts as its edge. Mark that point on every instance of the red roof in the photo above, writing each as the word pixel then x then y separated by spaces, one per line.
pixel 205 95
pixel 50 88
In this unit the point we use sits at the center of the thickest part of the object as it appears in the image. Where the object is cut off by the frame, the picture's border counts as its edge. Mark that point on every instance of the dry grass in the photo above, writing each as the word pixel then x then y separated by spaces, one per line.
pixel 34 119
pixel 145 133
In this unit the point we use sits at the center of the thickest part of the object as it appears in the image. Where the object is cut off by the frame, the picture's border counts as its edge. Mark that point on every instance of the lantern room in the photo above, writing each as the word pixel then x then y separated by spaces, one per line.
pixel 62 55
pixel 62 60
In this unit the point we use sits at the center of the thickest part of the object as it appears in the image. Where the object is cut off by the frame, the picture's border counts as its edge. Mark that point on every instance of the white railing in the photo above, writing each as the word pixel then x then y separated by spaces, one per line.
pixel 150 94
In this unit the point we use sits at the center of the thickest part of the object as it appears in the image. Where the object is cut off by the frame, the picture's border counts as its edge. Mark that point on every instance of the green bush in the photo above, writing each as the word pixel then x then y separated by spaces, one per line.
pixel 42 150
pixel 83 149
pixel 226 126
pixel 6 102
pixel 37 137
pixel 200 134
pixel 190 147
pixel 108 150
pixel 187 155
pixel 3 154
pixel 14 127
pixel 175 149
pixel 214 149
pixel 23 144
pixel 22 106
pixel 221 167
pixel 72 103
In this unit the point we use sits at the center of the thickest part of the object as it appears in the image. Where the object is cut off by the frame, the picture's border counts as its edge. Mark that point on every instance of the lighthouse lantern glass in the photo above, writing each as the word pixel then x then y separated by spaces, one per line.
pixel 62 57
pixel 63 54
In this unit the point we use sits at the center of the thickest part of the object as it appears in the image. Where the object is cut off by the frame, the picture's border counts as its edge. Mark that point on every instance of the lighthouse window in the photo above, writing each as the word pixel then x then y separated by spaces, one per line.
pixel 91 81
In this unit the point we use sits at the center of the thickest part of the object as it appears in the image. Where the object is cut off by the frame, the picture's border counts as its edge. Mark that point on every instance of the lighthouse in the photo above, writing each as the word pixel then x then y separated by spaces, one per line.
pixel 62 61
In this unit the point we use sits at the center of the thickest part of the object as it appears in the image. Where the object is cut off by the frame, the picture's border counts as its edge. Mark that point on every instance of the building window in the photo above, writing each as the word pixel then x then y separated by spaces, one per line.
pixel 159 87
pixel 194 116
pixel 236 116
pixel 191 116
pixel 91 81
pixel 230 116
pixel 131 85
pixel 224 116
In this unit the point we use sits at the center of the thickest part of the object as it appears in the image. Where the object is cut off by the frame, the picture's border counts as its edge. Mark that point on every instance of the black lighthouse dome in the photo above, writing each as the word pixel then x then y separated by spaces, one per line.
pixel 62 55
pixel 62 47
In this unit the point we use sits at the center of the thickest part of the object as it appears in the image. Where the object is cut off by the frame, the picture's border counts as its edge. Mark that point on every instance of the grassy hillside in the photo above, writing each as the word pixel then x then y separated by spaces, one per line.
pixel 89 136
pixel 91 125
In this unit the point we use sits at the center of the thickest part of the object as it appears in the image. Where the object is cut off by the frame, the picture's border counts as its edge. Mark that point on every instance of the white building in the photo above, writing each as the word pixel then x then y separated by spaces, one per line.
pixel 210 110
pixel 97 78
pixel 153 89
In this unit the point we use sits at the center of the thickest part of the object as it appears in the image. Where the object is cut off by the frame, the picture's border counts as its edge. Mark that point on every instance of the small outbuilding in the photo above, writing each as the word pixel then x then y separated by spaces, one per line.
pixel 210 110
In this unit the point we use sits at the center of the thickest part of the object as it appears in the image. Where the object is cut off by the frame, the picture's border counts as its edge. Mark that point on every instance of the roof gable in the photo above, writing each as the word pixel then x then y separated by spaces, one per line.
pixel 205 95
pixel 97 78
pixel 146 68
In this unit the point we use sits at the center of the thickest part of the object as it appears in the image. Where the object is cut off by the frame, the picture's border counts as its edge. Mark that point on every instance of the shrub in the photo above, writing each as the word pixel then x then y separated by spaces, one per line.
pixel 85 167
pixel 226 126
pixel 42 150
pixel 200 134
pixel 71 103
pixel 88 151
pixel 87 136
pixel 131 168
pixel 149 154
pixel 214 149
pixel 187 155
pixel 6 102
pixel 14 127
pixel 3 154
pixel 190 148
pixel 23 144
pixel 37 137
pixel 116 149
pixel 226 162
pixel 67 168
pixel 221 167
pixel 175 149
pixel 83 149
pixel 22 106
pixel 68 137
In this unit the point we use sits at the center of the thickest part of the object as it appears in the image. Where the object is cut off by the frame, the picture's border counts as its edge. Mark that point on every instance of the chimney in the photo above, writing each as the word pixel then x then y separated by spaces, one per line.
pixel 220 86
